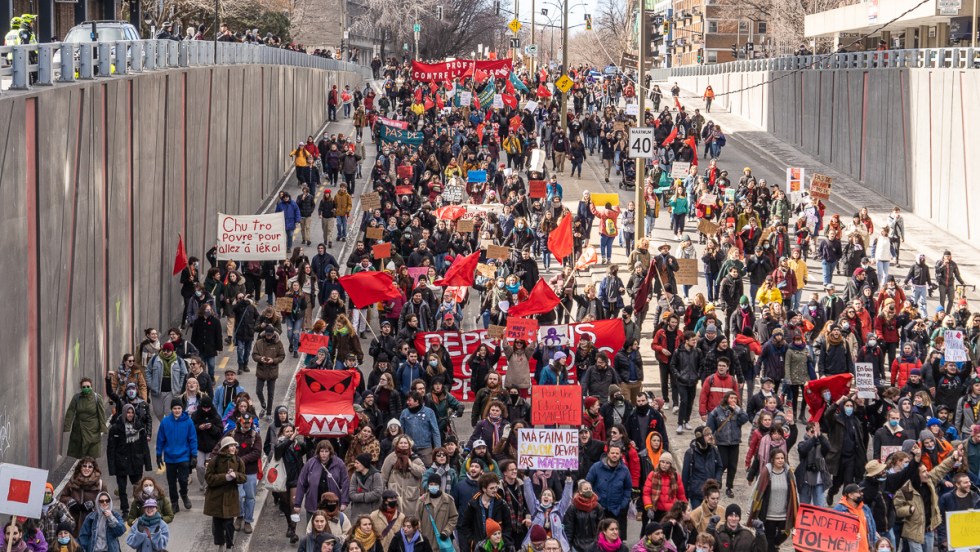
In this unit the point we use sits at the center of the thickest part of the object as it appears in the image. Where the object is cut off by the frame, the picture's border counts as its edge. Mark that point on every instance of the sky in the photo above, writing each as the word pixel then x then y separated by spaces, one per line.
pixel 576 11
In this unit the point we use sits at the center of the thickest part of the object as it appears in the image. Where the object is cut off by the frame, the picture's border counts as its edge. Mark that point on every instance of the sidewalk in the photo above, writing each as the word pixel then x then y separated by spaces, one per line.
pixel 849 196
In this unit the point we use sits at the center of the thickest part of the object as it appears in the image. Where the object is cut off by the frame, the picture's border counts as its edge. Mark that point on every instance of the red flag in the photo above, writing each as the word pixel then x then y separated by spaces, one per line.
pixel 428 104
pixel 180 260
pixel 369 287
pixel 476 101
pixel 694 150
pixel 588 257
pixel 838 386
pixel 543 91
pixel 643 294
pixel 433 87
pixel 479 134
pixel 439 103
pixel 677 102
pixel 509 99
pixel 509 87
pixel 670 137
pixel 480 75
pixel 462 272
pixel 450 212
pixel 418 95
pixel 560 240
pixel 515 121
pixel 541 299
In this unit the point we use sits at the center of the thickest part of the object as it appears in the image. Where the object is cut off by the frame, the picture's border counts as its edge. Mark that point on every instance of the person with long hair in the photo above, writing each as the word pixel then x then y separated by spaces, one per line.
pixel 343 341
pixel 774 499
pixel 608 538
pixel 364 536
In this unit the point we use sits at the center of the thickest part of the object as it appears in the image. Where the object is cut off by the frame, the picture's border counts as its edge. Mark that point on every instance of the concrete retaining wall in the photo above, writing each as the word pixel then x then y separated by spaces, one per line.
pixel 903 133
pixel 98 179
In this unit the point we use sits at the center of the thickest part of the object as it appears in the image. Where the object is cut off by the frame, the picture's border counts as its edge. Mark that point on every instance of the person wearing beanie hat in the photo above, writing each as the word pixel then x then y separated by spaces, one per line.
pixel 437 501
pixel 495 538
pixel 592 418
pixel 224 473
pixel 366 488
pixel 166 373
pixel 62 539
pixel 128 450
pixel 907 364
pixel 177 447
pixel 663 487
pixel 537 536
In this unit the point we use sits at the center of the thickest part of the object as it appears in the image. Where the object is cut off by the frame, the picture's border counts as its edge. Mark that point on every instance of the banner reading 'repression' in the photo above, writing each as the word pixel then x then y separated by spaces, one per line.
pixel 449 70
pixel 607 335
pixel 252 237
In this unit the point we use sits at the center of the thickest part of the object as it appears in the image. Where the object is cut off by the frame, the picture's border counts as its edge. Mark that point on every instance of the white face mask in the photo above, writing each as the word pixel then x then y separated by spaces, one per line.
pixel 148 489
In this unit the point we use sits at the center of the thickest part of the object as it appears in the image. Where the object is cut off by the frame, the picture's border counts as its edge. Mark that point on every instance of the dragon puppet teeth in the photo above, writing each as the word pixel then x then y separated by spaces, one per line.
pixel 328 423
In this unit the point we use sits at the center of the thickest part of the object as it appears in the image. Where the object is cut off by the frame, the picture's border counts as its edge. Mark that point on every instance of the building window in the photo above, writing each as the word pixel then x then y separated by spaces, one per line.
pixel 762 27
pixel 712 56
pixel 712 26
pixel 743 26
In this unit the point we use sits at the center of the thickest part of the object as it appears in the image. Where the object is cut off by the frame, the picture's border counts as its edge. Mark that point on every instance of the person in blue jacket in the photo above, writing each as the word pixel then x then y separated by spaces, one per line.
pixel 290 210
pixel 149 533
pixel 177 447
pixel 612 476
pixel 420 423
pixel 103 527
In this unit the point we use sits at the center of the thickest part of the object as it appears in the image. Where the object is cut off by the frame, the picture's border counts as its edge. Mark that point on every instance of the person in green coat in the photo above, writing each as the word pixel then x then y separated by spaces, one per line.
pixel 85 419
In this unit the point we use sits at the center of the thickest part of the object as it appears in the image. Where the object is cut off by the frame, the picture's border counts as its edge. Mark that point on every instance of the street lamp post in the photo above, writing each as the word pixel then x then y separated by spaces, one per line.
pixel 639 182
pixel 564 66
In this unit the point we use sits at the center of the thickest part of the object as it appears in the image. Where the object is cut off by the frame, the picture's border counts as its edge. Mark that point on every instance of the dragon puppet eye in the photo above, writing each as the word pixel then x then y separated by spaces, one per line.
pixel 340 387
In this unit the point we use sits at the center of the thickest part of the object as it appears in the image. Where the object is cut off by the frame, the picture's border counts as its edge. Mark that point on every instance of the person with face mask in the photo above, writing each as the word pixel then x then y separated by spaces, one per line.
pixel 206 337
pixel 127 451
pixel 847 455
pixel 85 419
pixel 852 502
pixel 437 513
pixel 55 516
pixel 891 435
pixel 917 503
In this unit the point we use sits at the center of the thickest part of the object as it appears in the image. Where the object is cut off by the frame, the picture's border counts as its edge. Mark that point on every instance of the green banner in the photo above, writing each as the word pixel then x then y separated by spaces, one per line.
pixel 389 135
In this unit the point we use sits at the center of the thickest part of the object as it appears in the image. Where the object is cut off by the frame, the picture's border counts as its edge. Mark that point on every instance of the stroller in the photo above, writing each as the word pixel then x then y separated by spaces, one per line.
pixel 628 170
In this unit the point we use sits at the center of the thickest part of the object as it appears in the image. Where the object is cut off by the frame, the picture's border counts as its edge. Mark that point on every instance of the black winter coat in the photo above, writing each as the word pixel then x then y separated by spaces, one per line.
pixel 582 528
pixel 128 456
pixel 208 438
pixel 207 336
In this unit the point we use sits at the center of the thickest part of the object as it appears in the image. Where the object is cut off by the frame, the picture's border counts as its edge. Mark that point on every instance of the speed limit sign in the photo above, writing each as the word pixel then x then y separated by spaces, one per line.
pixel 641 143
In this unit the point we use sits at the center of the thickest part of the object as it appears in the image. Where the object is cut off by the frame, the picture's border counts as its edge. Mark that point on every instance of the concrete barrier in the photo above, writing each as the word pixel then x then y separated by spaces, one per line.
pixel 99 178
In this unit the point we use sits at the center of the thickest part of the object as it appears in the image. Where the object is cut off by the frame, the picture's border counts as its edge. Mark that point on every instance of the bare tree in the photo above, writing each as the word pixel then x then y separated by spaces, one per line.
pixel 613 27
pixel 784 18
pixel 200 13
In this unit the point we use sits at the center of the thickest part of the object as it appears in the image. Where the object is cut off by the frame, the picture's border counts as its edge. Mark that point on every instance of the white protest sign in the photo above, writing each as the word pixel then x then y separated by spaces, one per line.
pixel 680 169
pixel 252 237
pixel 531 105
pixel 955 351
pixel 633 109
pixel 22 490
pixel 465 98
pixel 537 160
pixel 864 380
pixel 498 101
pixel 547 449
pixel 887 451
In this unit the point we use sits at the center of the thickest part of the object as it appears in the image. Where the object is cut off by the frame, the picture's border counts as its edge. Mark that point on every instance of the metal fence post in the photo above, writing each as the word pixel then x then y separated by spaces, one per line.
pixel 105 59
pixel 122 57
pixel 20 70
pixel 85 69
pixel 45 58
pixel 135 56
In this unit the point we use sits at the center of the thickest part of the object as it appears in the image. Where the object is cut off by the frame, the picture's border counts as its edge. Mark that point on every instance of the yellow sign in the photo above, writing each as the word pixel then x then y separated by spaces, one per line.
pixel 564 84
pixel 960 529
pixel 600 200
pixel 514 26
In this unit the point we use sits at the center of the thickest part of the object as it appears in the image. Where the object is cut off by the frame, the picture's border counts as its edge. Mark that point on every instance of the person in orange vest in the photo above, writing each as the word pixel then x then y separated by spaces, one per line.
pixel 709 96
pixel 852 502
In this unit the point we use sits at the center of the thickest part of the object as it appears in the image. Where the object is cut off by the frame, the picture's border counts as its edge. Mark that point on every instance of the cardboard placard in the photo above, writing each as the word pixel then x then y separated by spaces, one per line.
pixel 619 126
pixel 556 404
pixel 404 171
pixel 888 451
pixel 374 233
pixel 708 199
pixel 766 233
pixel 795 176
pixel 680 170
pixel 537 188
pixel 547 449
pixel 496 332
pixel 284 304
pixel 820 187
pixel 370 201
pixel 486 270
pixel 522 328
pixel 498 252
pixel 707 227
pixel 453 193
pixel 464 226
pixel 381 250
pixel 961 529
pixel 730 195
pixel 404 190
pixel 311 343
pixel 687 273
pixel 821 529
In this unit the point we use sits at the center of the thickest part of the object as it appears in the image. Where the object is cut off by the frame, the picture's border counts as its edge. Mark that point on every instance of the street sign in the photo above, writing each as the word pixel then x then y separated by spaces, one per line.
pixel 514 26
pixel 641 142
pixel 950 7
pixel 564 84
pixel 532 49
pixel 515 43
pixel 749 47
pixel 417 28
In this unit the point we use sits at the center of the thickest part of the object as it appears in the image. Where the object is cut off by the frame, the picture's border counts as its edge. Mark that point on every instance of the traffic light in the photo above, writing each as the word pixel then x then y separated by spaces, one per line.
pixel 439 12
pixel 735 51
pixel 588 22
pixel 700 56
pixel 666 27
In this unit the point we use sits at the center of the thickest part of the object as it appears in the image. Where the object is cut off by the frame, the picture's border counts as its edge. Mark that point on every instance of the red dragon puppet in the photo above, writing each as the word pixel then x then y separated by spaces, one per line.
pixel 325 402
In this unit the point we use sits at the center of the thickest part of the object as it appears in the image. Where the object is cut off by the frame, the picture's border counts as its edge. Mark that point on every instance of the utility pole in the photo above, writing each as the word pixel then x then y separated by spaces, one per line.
pixel 973 28
pixel 564 65
pixel 534 58
pixel 416 31
pixel 641 93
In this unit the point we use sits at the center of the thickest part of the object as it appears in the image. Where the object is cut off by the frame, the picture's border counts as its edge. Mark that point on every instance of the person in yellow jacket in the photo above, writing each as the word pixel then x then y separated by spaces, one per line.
pixel 797 264
pixel 768 293
pixel 13 36
pixel 418 109
pixel 344 204
pixel 453 169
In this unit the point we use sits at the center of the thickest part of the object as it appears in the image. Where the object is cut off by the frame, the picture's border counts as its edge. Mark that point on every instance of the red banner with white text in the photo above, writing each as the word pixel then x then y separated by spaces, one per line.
pixel 607 335
pixel 449 70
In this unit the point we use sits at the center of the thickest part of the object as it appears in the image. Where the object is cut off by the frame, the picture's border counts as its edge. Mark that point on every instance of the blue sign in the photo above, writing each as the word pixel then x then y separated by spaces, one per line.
pixel 476 176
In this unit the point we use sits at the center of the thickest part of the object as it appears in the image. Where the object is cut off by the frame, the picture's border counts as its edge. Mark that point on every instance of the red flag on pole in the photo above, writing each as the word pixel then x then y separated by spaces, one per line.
pixel 560 240
pixel 543 91
pixel 433 87
pixel 677 102
pixel 180 260
pixel 428 104
pixel 418 95
pixel 479 134
pixel 439 102
pixel 694 150
pixel 838 385
pixel 541 299
pixel 462 272
pixel 509 87
pixel 509 99
pixel 643 294
pixel 369 287
pixel 670 137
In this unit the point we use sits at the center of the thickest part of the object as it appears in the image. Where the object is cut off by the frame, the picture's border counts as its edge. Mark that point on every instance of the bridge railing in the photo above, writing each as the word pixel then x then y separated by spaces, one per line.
pixel 922 58
pixel 29 65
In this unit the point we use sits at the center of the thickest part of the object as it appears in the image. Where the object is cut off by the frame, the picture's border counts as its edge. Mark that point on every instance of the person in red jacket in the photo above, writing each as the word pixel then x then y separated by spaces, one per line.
pixel 662 488
pixel 902 366
pixel 886 326
pixel 714 388
pixel 665 341
pixel 333 101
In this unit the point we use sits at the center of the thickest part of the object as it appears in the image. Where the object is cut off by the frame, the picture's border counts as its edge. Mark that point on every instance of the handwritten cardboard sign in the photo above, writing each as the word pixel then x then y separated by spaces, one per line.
pixel 498 252
pixel 370 201
pixel 864 380
pixel 680 170
pixel 464 226
pixel 374 233
pixel 496 332
pixel 708 199
pixel 525 329
pixel 486 270
pixel 537 188
pixel 707 227
pixel 311 343
pixel 821 529
pixel 284 304
pixel 547 449
pixel 820 186
pixel 955 350
pixel 556 404
pixel 687 273
pixel 381 250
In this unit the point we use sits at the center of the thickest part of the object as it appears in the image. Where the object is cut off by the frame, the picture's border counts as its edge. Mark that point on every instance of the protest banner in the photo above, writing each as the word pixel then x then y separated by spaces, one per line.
pixel 680 169
pixel 820 187
pixel 531 105
pixel 794 179
pixel 284 304
pixel 547 449
pixel 864 380
pixel 449 70
pixel 608 336
pixel 252 237
pixel 498 252
pixel 465 97
pixel 404 171
pixel 21 491
pixel 600 200
pixel 416 271
pixel 404 190
pixel 381 250
pixel 687 273
pixel 821 529
pixel 633 109
pixel 556 404
pixel 707 227
pixel 396 135
pixel 708 199
pixel 955 350
pixel 498 101
pixel 619 126
pixel 537 188
pixel 464 226
pixel 961 530
pixel 370 201
pixel 476 176
pixel 453 193
pixel 525 329
pixel 401 125
pixel 496 332
pixel 311 343
pixel 374 233
pixel 887 451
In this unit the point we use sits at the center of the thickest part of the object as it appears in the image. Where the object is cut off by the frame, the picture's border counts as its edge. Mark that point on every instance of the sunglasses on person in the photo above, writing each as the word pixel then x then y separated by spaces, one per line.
pixel 103 501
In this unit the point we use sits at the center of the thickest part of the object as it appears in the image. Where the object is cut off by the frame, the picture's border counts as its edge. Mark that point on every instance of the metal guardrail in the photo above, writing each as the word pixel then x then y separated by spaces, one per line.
pixel 62 62
pixel 923 58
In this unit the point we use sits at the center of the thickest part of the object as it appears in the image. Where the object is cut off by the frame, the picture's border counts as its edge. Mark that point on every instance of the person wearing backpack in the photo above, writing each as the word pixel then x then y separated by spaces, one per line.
pixel 611 291
pixel 607 228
